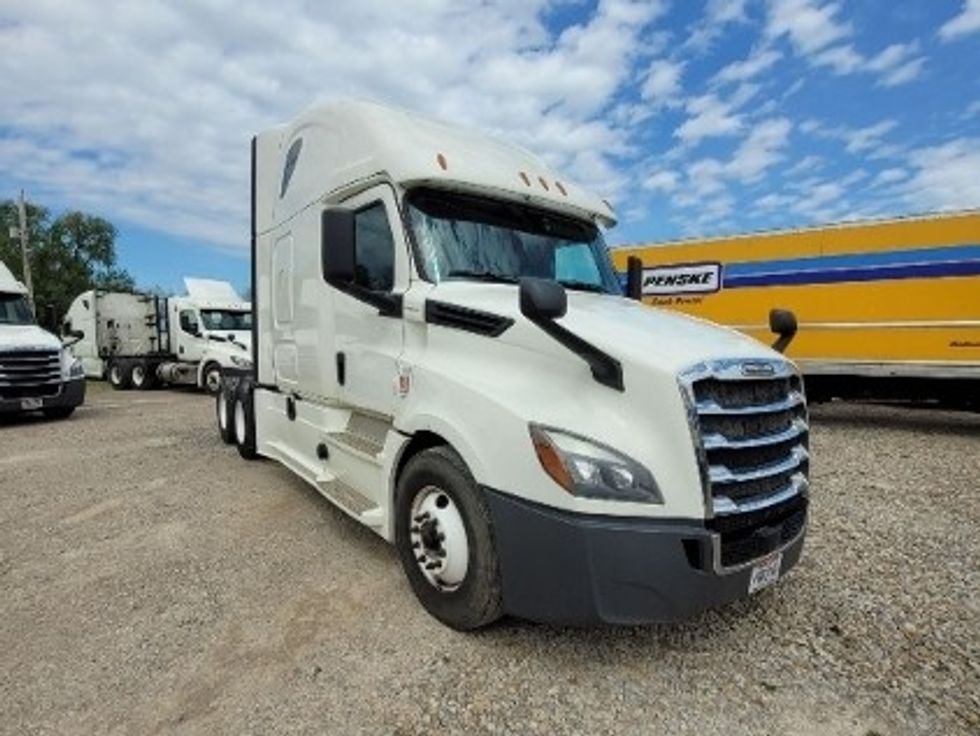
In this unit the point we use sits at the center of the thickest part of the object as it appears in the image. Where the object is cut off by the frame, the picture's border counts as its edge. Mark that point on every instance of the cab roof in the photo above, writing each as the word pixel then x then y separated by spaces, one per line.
pixel 332 147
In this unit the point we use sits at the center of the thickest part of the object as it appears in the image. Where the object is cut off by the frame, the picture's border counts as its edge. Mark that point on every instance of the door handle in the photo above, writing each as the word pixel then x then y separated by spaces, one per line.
pixel 341 368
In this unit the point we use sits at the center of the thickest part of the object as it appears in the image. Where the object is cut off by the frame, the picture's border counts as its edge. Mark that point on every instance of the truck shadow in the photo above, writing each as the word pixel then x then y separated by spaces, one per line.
pixel 900 417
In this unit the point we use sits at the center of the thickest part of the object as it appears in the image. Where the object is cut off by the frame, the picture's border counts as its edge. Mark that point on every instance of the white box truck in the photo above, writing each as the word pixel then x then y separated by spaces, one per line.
pixel 442 349
pixel 37 371
pixel 141 340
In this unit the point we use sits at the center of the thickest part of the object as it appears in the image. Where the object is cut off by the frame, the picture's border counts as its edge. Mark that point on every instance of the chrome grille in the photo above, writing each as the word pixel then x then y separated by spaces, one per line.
pixel 29 373
pixel 752 433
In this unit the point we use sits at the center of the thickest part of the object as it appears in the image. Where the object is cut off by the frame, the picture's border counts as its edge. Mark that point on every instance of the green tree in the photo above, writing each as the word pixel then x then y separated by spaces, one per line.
pixel 74 253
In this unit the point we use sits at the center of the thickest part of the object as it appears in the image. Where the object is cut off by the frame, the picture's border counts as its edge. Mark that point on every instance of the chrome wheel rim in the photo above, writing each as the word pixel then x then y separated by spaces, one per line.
pixel 212 379
pixel 438 539
pixel 139 375
pixel 115 375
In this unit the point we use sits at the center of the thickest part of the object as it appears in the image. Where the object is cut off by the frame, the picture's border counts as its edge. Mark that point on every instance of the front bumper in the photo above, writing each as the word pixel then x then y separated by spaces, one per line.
pixel 72 393
pixel 562 567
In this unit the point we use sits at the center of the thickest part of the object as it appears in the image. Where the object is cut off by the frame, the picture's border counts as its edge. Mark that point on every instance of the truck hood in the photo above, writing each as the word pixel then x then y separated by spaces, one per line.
pixel 240 340
pixel 27 337
pixel 625 329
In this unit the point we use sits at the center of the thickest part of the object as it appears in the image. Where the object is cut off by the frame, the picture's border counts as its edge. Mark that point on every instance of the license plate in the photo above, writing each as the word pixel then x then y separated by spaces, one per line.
pixel 31 404
pixel 765 573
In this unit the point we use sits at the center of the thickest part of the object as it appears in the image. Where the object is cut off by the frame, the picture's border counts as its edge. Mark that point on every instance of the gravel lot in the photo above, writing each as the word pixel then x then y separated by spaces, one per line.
pixel 153 582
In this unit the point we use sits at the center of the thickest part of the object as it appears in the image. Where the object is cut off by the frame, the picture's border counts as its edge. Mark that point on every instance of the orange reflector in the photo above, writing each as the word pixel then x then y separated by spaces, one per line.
pixel 442 162
pixel 544 183
pixel 561 189
pixel 551 462
pixel 525 178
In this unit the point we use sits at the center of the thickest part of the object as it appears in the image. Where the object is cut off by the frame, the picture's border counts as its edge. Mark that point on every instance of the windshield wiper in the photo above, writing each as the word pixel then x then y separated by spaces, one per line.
pixel 488 276
pixel 583 286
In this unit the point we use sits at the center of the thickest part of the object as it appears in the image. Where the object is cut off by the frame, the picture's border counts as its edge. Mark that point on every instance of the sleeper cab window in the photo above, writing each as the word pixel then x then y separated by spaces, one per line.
pixel 292 156
pixel 374 249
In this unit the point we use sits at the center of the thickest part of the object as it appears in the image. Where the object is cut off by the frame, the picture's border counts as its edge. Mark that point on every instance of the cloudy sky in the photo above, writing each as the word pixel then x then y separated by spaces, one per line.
pixel 694 117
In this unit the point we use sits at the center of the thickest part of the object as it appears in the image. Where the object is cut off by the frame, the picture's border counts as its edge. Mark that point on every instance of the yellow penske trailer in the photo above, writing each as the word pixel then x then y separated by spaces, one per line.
pixel 882 307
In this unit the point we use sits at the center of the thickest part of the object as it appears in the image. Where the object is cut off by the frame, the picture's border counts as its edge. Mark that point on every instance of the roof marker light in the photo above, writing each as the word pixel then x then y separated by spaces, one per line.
pixel 525 178
pixel 561 189
pixel 544 183
pixel 441 160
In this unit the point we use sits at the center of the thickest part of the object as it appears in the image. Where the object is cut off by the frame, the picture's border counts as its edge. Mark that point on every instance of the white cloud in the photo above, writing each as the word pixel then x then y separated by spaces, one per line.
pixel 661 181
pixel 889 176
pixel 862 139
pixel 663 82
pixel 709 116
pixel 760 150
pixel 816 33
pixel 967 22
pixel 169 94
pixel 718 15
pixel 741 71
pixel 944 177
pixel 810 24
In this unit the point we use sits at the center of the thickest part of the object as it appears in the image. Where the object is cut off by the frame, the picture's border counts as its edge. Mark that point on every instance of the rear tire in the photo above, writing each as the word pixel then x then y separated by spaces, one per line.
pixel 142 375
pixel 119 375
pixel 437 501
pixel 244 422
pixel 211 378
pixel 224 404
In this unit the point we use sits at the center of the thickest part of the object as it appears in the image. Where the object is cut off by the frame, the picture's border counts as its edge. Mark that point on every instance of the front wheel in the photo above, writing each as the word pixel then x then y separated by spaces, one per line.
pixel 211 378
pixel 444 537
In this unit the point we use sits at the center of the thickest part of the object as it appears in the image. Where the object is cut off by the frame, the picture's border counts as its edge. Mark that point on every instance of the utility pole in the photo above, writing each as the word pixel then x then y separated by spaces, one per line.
pixel 25 249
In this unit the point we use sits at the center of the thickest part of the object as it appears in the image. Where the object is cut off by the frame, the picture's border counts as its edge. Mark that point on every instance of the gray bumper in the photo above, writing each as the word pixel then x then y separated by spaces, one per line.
pixel 569 568
pixel 71 393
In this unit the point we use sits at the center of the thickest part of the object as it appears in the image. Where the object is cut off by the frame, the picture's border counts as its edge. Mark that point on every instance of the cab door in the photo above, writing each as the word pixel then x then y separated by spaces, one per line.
pixel 190 339
pixel 369 339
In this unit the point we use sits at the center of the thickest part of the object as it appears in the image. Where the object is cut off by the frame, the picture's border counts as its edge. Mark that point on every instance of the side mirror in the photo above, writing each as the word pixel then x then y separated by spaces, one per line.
pixel 542 300
pixel 634 278
pixel 337 245
pixel 782 322
pixel 73 336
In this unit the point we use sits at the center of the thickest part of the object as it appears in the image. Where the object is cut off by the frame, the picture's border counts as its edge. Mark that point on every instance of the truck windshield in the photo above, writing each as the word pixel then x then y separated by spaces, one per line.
pixel 14 310
pixel 226 319
pixel 467 237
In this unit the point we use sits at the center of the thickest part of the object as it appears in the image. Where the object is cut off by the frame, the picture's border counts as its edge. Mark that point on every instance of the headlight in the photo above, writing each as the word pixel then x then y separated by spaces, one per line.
pixel 590 470
pixel 71 367
pixel 241 362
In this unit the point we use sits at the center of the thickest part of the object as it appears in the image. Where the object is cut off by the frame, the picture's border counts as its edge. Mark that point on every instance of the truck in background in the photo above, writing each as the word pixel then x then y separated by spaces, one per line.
pixel 886 308
pixel 37 371
pixel 443 351
pixel 141 340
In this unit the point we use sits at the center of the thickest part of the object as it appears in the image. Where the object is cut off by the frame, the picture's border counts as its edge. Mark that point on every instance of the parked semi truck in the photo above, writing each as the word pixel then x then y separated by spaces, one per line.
pixel 884 308
pixel 142 340
pixel 38 373
pixel 442 349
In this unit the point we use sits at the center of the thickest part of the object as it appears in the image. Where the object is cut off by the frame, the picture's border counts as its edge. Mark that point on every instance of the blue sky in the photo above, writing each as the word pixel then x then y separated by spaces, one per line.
pixel 694 118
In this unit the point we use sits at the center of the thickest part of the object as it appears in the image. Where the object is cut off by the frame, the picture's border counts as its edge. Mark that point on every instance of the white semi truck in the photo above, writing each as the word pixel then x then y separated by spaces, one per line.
pixel 38 373
pixel 141 340
pixel 442 349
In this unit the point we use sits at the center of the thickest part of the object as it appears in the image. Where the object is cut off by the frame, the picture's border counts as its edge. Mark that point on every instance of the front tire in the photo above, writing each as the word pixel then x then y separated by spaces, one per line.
pixel 211 378
pixel 444 536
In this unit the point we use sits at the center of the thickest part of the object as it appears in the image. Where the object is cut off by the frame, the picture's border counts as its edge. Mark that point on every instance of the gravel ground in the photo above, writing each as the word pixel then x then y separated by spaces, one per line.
pixel 153 582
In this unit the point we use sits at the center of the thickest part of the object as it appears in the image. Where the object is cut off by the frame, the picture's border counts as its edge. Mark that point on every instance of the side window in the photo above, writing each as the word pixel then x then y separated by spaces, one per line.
pixel 292 156
pixel 576 263
pixel 374 249
pixel 188 322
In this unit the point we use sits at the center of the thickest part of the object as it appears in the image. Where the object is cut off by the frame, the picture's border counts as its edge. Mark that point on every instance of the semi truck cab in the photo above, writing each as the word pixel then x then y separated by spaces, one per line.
pixel 38 373
pixel 442 350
